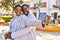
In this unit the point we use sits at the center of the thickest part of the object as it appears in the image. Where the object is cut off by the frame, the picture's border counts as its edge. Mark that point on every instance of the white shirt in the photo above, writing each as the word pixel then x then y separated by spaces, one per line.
pixel 19 32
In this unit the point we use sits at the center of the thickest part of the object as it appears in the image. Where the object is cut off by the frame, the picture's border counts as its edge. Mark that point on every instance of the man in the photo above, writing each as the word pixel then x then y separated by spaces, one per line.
pixel 25 10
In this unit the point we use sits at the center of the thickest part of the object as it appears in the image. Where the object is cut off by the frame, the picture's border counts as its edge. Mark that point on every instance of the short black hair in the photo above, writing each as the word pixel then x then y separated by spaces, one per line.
pixel 25 5
pixel 16 6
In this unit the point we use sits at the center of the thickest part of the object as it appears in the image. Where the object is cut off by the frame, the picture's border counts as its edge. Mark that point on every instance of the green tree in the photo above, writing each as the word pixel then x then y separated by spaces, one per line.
pixel 39 3
pixel 19 2
pixel 6 4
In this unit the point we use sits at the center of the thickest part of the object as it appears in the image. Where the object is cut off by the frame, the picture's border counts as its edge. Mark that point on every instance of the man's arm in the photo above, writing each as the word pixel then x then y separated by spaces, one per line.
pixel 36 23
pixel 21 33
pixel 32 22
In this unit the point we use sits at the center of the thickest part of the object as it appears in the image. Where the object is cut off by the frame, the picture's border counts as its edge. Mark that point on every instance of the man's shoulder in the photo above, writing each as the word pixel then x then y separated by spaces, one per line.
pixel 22 16
pixel 31 14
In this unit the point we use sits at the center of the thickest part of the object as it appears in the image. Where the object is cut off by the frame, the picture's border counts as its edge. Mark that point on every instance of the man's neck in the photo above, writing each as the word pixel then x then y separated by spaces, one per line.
pixel 26 13
pixel 18 15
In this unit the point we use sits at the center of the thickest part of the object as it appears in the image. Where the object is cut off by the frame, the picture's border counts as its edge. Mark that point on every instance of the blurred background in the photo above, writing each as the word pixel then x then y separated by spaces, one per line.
pixel 49 7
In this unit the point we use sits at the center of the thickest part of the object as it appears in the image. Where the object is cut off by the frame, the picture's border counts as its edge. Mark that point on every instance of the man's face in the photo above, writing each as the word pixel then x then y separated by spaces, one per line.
pixel 18 10
pixel 25 9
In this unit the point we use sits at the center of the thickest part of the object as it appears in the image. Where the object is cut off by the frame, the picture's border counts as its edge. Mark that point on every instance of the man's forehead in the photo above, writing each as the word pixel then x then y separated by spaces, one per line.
pixel 25 7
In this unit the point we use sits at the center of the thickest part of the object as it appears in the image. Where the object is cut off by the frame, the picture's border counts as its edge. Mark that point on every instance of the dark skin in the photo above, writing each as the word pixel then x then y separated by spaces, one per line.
pixel 17 11
pixel 47 20
pixel 8 36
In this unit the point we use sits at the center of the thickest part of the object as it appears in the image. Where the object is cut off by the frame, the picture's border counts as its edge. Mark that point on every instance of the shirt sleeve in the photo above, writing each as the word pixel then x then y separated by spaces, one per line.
pixel 21 33
pixel 32 16
pixel 10 30
pixel 33 22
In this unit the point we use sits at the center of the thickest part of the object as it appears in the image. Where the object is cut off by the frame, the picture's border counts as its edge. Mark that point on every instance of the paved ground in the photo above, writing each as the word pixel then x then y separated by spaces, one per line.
pixel 40 34
pixel 47 35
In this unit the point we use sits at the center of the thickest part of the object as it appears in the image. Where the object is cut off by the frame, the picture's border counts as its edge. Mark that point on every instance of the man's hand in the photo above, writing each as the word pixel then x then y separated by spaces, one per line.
pixel 8 35
pixel 47 20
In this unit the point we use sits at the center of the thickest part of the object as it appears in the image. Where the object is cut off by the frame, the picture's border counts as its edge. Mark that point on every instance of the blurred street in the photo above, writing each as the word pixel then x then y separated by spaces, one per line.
pixel 40 34
pixel 47 35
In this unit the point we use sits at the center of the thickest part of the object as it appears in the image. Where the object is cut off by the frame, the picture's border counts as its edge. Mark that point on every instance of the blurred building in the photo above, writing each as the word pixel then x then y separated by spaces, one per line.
pixel 58 3
pixel 50 7
pixel 47 6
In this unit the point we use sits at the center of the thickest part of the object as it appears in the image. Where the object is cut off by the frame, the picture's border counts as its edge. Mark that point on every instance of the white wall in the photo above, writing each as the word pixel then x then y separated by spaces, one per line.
pixel 50 4
pixel 58 3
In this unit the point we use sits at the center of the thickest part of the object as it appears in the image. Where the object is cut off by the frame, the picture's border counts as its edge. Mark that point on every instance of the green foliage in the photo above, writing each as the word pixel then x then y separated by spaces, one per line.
pixel 39 3
pixel 6 4
pixel 20 2
pixel 7 19
pixel 52 24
